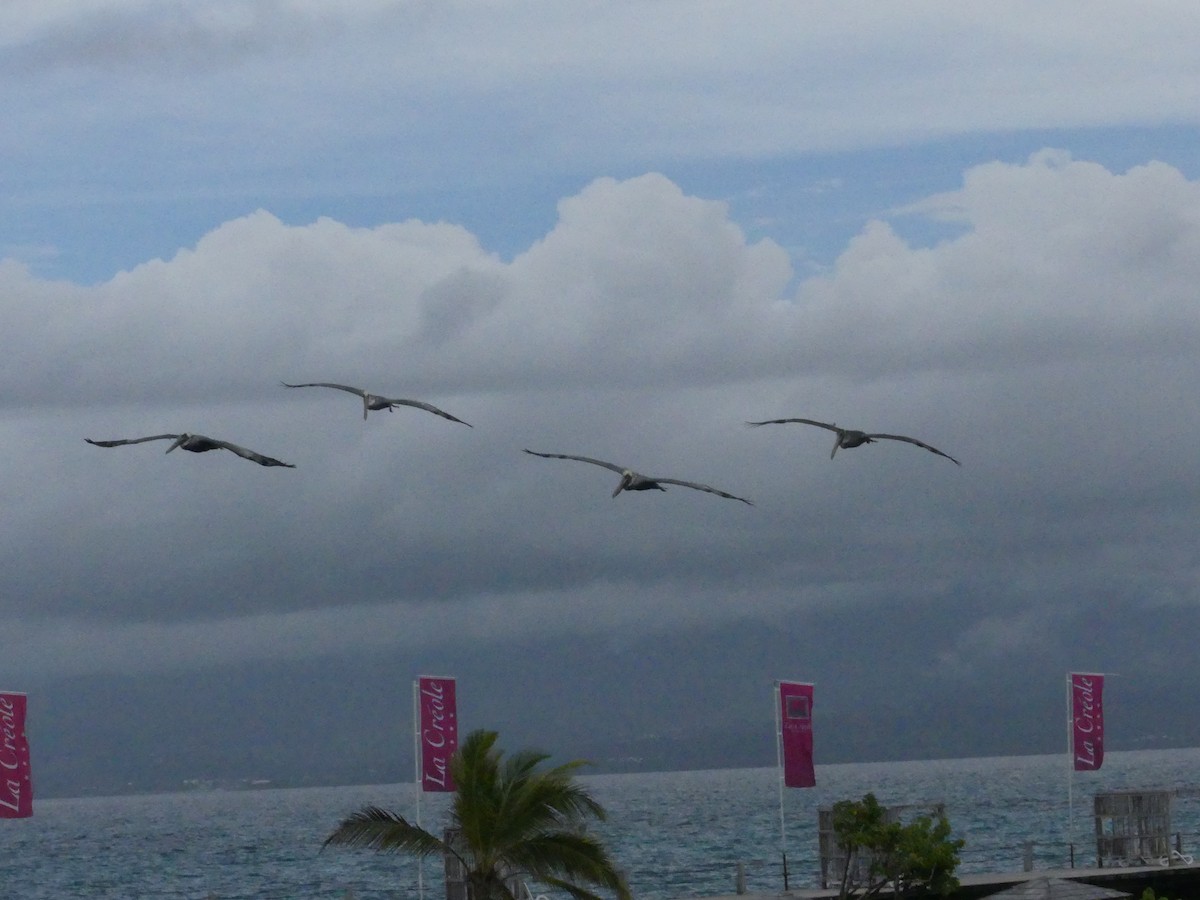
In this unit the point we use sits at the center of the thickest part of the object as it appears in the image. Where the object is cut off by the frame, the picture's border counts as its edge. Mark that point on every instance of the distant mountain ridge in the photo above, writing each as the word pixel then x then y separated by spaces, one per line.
pixel 138 760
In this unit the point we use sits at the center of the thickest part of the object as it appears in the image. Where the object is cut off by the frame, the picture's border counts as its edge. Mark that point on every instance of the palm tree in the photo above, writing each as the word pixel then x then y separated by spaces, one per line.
pixel 514 821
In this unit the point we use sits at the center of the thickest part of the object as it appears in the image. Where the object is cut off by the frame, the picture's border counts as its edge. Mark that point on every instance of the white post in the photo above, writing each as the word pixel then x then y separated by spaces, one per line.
pixel 779 767
pixel 417 778
pixel 1070 770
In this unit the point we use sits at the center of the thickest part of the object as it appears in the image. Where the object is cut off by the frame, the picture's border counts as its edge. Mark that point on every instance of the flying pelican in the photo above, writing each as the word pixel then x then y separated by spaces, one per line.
pixel 632 481
pixel 848 438
pixel 374 401
pixel 197 443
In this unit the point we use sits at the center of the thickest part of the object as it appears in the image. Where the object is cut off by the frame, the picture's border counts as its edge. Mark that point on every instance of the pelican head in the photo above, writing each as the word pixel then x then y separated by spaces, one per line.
pixel 179 441
pixel 626 480
pixel 375 402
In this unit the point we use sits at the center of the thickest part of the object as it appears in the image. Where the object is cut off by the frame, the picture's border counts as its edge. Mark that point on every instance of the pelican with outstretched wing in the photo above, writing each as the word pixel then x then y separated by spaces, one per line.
pixel 632 481
pixel 848 438
pixel 375 401
pixel 196 443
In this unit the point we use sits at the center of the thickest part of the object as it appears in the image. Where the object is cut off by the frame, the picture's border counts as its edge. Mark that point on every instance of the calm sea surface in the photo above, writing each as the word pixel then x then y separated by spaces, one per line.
pixel 676 834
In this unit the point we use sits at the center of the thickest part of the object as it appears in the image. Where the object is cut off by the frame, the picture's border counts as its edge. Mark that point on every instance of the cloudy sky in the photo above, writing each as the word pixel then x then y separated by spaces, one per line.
pixel 621 230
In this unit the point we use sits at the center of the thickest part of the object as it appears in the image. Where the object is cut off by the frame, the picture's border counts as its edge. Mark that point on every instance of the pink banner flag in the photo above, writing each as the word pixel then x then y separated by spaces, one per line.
pixel 796 734
pixel 16 783
pixel 438 732
pixel 1087 720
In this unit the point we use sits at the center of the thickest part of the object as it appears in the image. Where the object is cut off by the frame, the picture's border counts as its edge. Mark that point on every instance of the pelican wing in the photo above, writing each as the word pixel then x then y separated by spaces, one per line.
pixel 800 421
pixel 142 440
pixel 586 459
pixel 428 407
pixel 251 455
pixel 328 384
pixel 701 487
pixel 900 437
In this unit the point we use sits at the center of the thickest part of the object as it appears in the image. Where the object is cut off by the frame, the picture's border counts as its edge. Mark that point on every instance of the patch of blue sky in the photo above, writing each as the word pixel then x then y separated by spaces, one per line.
pixel 116 215
pixel 813 204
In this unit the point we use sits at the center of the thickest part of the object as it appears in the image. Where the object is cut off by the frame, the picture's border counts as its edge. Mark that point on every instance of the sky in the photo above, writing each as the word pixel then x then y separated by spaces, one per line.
pixel 619 230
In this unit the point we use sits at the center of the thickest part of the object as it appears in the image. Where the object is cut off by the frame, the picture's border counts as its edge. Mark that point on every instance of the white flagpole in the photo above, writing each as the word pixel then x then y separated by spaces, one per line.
pixel 779 767
pixel 1070 771
pixel 1071 757
pixel 416 690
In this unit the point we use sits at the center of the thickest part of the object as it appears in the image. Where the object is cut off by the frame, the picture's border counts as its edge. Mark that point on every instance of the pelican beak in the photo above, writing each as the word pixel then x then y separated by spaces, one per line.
pixel 837 442
pixel 179 440
pixel 623 483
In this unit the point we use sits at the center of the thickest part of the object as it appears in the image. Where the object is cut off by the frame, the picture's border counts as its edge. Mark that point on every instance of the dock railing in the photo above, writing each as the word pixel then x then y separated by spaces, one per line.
pixel 765 875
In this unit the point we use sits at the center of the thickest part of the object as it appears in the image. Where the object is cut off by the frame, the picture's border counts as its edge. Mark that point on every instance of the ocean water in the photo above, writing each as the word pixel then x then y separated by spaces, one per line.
pixel 676 834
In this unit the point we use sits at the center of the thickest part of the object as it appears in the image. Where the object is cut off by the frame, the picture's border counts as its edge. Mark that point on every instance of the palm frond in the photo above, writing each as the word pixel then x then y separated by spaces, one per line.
pixel 569 856
pixel 475 768
pixel 523 764
pixel 582 893
pixel 379 829
pixel 572 800
pixel 547 801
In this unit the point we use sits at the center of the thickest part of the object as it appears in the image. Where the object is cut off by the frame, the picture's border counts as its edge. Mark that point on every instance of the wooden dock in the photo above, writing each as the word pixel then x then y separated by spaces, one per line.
pixel 1166 881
